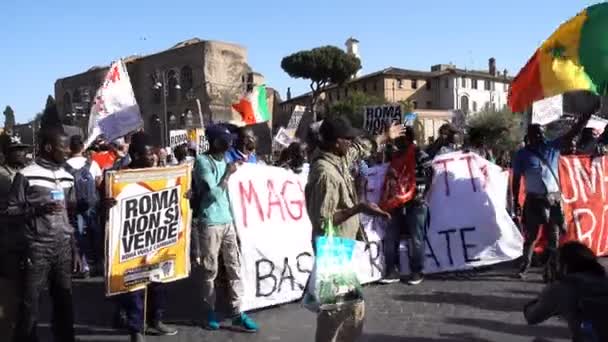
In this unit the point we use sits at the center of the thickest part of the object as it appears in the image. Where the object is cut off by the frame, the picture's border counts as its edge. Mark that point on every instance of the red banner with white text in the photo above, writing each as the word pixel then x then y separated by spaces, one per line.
pixel 584 184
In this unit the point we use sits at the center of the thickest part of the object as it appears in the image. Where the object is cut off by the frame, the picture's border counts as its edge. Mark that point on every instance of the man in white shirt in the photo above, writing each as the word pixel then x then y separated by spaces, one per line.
pixel 88 234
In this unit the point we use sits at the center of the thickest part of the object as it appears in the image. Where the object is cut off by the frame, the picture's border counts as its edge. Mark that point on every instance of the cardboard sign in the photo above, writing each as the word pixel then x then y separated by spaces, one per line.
pixel 115 112
pixel 470 226
pixel 198 135
pixel 177 137
pixel 148 231
pixel 378 118
pixel 296 117
pixel 547 110
pixel 282 138
pixel 584 194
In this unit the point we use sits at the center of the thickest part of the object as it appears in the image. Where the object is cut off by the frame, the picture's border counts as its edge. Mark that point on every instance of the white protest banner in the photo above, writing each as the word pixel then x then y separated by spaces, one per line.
pixel 374 228
pixel 148 231
pixel 275 233
pixel 377 118
pixel 115 112
pixel 470 226
pixel 547 110
pixel 177 137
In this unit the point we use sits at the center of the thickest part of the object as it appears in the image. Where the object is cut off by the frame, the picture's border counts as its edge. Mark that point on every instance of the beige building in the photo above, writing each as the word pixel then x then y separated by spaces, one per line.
pixel 434 94
pixel 173 86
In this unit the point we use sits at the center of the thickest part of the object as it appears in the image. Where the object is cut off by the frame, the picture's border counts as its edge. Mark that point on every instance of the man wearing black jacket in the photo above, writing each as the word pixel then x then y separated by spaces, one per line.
pixel 43 195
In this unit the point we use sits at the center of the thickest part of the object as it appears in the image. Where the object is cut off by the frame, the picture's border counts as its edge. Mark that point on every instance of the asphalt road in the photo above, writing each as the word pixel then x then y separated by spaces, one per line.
pixel 472 306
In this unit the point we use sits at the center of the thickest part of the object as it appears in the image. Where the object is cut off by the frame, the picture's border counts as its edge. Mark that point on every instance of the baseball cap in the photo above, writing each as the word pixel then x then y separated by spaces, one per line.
pixel 15 143
pixel 338 128
pixel 219 132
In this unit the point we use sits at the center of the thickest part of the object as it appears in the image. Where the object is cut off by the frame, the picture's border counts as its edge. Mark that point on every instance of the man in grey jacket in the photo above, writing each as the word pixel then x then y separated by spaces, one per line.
pixel 43 195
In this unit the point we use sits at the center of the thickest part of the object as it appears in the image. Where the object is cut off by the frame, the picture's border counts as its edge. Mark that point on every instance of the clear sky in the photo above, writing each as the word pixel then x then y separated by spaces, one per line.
pixel 43 40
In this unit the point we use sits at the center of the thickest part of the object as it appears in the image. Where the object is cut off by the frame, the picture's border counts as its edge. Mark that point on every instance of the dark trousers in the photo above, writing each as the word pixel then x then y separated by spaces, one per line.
pixel 52 264
pixel 414 219
pixel 133 305
pixel 540 212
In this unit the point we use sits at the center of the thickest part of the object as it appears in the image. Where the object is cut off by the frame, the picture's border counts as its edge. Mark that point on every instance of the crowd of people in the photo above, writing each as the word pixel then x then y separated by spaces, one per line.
pixel 53 213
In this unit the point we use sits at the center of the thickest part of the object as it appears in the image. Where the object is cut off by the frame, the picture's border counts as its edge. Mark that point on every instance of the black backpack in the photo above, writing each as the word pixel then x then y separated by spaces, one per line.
pixel 85 187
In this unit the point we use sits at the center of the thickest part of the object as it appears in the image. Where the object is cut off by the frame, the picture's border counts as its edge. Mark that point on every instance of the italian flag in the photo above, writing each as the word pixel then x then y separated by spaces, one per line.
pixel 253 107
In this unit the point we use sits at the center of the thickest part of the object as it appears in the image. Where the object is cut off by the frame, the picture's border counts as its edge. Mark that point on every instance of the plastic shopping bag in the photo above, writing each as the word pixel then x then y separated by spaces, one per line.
pixel 333 281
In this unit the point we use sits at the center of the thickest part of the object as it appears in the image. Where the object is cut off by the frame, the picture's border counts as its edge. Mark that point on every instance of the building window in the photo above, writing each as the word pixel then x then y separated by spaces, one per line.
pixel 464 104
pixel 172 86
pixel 474 107
pixel 487 85
pixel 429 104
pixel 414 84
pixel 186 79
pixel 345 92
pixel 474 83
pixel 399 83
pixel 376 86
pixel 446 83
pixel 428 84
pixel 415 104
pixel 76 98
pixel 67 103
pixel 355 88
pixel 464 82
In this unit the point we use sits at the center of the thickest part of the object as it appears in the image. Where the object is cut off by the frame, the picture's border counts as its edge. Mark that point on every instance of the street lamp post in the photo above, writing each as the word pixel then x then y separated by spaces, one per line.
pixel 163 87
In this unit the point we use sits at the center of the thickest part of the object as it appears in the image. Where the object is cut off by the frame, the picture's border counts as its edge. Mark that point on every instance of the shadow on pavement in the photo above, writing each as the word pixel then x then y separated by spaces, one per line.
pixel 538 331
pixel 485 302
pixel 443 338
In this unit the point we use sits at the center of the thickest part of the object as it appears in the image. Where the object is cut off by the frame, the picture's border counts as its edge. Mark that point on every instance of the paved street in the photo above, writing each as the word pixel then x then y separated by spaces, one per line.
pixel 458 307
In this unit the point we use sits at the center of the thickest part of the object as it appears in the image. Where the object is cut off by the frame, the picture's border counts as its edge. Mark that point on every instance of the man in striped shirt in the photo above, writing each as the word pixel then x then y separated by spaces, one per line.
pixel 43 196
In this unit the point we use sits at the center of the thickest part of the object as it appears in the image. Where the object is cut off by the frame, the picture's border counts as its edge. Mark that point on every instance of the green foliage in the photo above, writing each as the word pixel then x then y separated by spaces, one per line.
pixel 407 106
pixel 322 66
pixel 327 64
pixel 353 107
pixel 9 118
pixel 499 130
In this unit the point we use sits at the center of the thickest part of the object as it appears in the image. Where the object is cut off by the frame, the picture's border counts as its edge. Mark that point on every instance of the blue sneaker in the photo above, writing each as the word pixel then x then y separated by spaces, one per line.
pixel 212 322
pixel 245 322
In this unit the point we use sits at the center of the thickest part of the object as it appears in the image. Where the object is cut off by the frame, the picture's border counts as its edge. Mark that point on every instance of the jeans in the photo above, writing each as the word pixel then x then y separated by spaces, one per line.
pixel 222 239
pixel 133 305
pixel 52 264
pixel 414 217
pixel 90 239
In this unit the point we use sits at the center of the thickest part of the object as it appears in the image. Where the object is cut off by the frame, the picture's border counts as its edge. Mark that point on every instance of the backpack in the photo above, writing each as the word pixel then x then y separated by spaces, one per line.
pixel 85 187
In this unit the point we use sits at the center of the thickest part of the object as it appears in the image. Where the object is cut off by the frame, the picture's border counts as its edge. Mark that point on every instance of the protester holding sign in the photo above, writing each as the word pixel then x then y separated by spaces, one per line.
pixel 406 184
pixel 142 156
pixel 538 163
pixel 43 196
pixel 331 197
pixel 217 232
